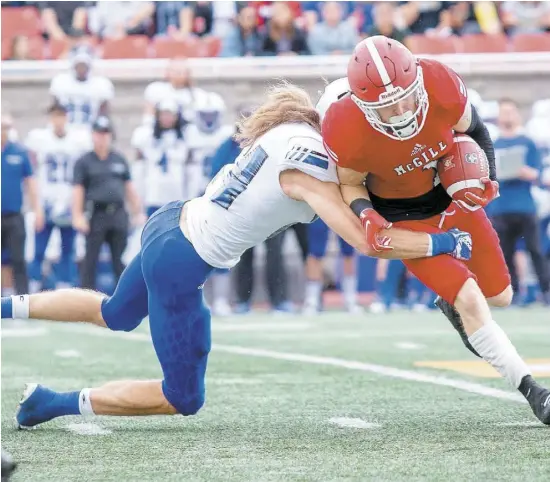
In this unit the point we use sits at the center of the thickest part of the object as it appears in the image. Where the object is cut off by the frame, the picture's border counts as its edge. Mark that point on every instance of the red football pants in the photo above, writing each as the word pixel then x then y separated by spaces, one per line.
pixel 446 275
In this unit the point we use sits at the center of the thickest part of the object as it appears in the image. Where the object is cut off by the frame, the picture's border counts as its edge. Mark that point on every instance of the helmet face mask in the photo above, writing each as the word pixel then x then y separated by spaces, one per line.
pixel 388 87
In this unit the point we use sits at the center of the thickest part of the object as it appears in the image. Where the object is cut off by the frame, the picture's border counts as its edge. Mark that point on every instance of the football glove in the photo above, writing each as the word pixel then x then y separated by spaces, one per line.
pixel 373 224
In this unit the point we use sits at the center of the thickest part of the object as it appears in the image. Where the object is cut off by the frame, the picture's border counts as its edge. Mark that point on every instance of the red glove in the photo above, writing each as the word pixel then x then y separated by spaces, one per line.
pixel 490 192
pixel 373 224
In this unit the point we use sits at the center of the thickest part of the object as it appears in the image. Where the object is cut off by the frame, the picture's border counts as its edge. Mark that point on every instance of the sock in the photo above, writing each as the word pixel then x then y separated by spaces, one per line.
pixel 313 293
pixel 85 403
pixel 7 307
pixel 495 347
pixel 20 307
pixel 349 288
pixel 391 283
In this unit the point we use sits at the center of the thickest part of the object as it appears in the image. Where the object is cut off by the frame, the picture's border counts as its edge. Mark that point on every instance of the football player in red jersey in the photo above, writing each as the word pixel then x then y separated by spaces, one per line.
pixel 386 135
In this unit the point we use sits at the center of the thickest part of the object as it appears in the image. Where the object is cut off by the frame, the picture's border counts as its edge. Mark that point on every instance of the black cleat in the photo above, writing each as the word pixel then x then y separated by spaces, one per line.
pixel 538 397
pixel 8 466
pixel 454 317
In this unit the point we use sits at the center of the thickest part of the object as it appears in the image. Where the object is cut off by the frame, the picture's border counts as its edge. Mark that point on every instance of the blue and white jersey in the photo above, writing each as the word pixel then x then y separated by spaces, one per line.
pixel 164 162
pixel 245 204
pixel 82 99
pixel 55 158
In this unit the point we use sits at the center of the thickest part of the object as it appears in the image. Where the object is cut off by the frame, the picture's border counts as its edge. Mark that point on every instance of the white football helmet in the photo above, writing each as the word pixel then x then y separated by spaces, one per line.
pixel 209 109
pixel 332 93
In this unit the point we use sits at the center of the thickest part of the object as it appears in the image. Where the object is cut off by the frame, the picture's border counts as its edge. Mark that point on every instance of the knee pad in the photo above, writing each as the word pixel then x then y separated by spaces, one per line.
pixel 119 317
pixel 185 403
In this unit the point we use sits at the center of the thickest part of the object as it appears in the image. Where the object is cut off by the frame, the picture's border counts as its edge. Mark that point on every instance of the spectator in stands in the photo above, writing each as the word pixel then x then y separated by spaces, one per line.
pixel 430 18
pixel 17 176
pixel 65 19
pixel 20 48
pixel 312 12
pixel 281 36
pixel 463 19
pixel 225 16
pixel 384 14
pixel 200 15
pixel 333 35
pixel 116 19
pixel 514 212
pixel 525 17
pixel 243 40
pixel 173 19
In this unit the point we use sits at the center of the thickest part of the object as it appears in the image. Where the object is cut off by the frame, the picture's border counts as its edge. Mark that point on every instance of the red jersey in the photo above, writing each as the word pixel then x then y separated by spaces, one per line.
pixel 402 175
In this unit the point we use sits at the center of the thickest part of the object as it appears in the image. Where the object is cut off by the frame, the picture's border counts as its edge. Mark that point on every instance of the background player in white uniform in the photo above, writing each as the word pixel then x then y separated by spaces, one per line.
pixel 283 177
pixel 205 134
pixel 163 150
pixel 55 149
pixel 84 95
pixel 178 85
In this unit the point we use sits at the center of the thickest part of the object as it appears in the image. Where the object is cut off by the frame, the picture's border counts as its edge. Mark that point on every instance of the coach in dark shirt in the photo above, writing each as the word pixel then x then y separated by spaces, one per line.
pixel 101 186
pixel 16 174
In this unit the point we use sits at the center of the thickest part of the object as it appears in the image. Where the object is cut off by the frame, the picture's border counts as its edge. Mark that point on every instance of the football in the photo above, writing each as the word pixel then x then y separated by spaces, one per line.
pixel 462 168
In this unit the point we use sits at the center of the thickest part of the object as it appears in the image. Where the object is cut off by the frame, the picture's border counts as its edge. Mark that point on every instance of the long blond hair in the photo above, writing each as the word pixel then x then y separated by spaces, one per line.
pixel 285 103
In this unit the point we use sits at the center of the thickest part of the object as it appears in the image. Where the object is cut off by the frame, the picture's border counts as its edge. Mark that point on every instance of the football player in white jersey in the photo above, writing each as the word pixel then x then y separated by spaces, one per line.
pixel 55 149
pixel 282 177
pixel 205 134
pixel 178 85
pixel 84 95
pixel 162 148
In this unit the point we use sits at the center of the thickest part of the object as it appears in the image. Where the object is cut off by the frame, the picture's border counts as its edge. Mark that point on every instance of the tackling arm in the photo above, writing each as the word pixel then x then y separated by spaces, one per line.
pixel 326 200
pixel 384 241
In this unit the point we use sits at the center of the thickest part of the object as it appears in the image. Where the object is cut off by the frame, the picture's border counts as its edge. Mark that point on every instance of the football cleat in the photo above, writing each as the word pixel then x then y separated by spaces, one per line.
pixel 33 407
pixel 454 317
pixel 538 397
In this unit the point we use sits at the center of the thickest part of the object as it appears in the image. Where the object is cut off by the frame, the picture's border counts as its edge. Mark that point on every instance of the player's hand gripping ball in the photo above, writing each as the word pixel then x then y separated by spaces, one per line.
pixel 464 173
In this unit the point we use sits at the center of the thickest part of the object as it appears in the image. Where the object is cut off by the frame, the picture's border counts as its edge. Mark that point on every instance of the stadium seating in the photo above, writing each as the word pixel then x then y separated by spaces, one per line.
pixel 131 47
pixel 421 44
pixel 20 21
pixel 531 43
pixel 480 43
pixel 36 48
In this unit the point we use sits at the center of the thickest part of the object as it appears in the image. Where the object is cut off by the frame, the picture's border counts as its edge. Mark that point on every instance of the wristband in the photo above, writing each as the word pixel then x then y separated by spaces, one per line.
pixel 359 205
pixel 442 243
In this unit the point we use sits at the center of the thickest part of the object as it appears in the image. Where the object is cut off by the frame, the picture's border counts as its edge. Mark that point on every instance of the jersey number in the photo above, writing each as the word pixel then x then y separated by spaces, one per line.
pixel 163 163
pixel 58 169
pixel 235 180
pixel 79 113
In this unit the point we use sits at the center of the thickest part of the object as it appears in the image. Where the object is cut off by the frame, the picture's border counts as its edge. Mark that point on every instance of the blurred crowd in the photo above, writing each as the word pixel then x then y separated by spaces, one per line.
pixel 254 28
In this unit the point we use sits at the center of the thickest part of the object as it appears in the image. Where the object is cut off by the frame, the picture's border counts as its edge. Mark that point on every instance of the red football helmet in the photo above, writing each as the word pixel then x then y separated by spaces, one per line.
pixel 387 85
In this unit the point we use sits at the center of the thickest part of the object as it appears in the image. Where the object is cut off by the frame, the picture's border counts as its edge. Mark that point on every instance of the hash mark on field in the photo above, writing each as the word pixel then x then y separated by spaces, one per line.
pixel 284 326
pixel 67 353
pixel 346 422
pixel 407 345
pixel 410 375
pixel 87 429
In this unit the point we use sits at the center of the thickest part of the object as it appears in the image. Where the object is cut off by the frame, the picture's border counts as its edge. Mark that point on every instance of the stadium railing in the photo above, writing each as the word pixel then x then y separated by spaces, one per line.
pixel 258 68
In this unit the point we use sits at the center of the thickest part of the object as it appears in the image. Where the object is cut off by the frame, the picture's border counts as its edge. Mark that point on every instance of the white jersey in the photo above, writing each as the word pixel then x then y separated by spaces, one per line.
pixel 245 204
pixel 82 99
pixel 202 147
pixel 55 159
pixel 186 97
pixel 164 160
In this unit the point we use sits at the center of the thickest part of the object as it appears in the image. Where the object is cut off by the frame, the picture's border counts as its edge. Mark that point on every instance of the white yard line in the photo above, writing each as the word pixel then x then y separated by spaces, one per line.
pixel 24 332
pixel 407 345
pixel 415 376
pixel 67 353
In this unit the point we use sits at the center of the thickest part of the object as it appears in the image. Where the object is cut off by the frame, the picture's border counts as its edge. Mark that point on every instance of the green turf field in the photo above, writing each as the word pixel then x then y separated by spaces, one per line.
pixel 337 397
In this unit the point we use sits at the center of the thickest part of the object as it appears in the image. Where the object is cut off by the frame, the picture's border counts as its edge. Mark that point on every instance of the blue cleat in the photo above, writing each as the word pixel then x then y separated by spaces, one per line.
pixel 34 407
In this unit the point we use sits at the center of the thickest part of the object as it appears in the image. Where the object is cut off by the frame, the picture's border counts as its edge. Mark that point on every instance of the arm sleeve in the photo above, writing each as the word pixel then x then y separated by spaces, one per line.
pixel 79 173
pixel 478 132
pixel 308 155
